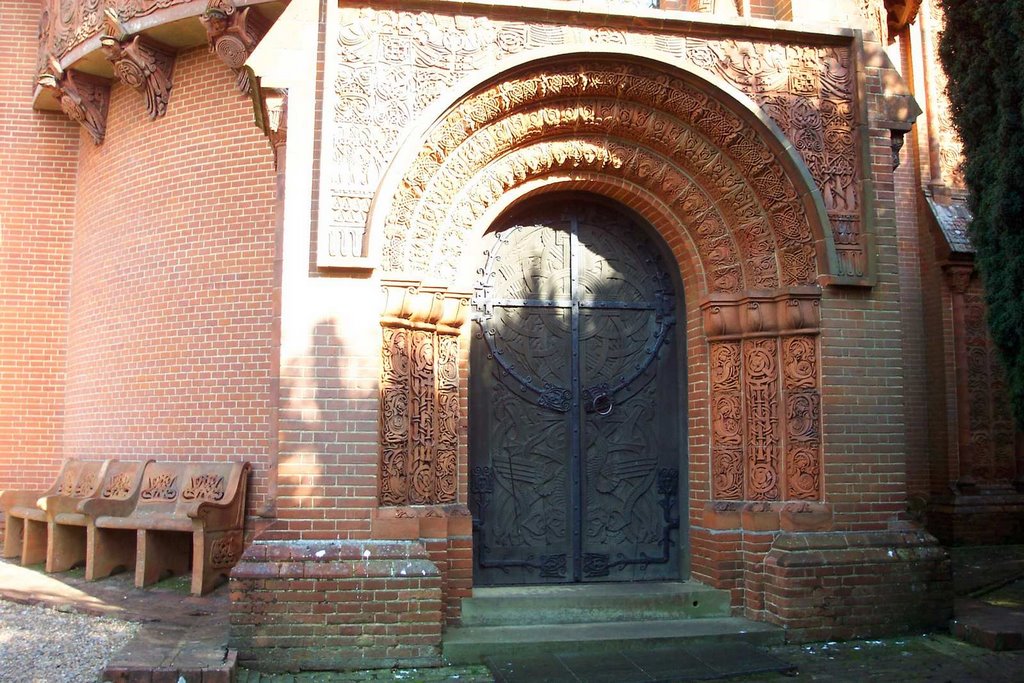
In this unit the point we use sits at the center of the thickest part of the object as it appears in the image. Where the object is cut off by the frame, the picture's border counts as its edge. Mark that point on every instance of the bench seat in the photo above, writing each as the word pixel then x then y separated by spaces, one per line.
pixel 151 522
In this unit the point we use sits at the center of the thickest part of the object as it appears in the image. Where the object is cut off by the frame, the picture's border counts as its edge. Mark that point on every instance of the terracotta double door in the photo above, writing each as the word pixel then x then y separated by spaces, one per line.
pixel 575 422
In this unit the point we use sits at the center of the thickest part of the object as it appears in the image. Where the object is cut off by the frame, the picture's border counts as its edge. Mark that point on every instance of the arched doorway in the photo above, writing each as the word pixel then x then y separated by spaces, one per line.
pixel 575 422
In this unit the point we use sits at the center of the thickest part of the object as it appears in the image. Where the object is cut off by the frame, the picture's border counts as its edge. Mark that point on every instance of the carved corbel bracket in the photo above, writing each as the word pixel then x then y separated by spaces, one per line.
pixel 796 310
pixel 141 63
pixel 233 34
pixel 270 110
pixel 83 97
pixel 899 108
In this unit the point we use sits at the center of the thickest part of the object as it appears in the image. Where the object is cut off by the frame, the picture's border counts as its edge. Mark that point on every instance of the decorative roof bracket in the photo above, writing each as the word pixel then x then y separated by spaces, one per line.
pixel 233 34
pixel 139 62
pixel 83 97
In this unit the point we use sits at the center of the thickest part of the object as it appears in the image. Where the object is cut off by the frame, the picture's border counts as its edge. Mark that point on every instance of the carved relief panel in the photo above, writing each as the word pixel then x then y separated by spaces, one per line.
pixel 765 396
pixel 419 404
pixel 986 435
pixel 388 66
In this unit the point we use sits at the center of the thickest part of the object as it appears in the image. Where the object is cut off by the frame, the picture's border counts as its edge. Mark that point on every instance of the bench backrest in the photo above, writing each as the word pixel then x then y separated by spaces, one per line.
pixel 80 478
pixel 166 487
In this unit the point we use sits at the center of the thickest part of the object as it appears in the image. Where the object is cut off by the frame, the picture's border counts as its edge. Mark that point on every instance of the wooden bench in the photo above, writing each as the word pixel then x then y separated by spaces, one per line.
pixel 25 512
pixel 67 524
pixel 183 511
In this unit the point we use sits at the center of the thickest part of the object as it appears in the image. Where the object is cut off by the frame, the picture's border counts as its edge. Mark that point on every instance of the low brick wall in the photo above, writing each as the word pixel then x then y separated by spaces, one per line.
pixel 837 585
pixel 310 606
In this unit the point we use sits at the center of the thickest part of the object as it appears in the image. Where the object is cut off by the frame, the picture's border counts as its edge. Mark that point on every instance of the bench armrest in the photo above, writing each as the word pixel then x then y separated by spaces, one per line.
pixel 55 505
pixel 101 507
pixel 9 499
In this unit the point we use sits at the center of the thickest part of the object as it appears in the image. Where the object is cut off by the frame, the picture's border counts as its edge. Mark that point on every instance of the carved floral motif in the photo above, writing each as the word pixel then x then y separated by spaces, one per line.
pixel 119 487
pixel 67 483
pixel 226 550
pixel 85 484
pixel 161 487
pixel 204 487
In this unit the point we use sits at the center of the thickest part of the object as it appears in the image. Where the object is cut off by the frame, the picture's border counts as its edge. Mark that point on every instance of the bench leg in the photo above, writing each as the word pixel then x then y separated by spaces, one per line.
pixel 65 547
pixel 108 551
pixel 213 556
pixel 14 530
pixel 33 544
pixel 161 554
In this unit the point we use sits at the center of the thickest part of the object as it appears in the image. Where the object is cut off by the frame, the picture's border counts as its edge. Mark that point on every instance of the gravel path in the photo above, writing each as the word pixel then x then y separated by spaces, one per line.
pixel 44 645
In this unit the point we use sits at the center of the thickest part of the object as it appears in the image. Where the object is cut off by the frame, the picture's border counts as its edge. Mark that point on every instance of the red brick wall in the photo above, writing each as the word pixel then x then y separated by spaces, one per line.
pixel 863 387
pixel 909 218
pixel 37 173
pixel 170 334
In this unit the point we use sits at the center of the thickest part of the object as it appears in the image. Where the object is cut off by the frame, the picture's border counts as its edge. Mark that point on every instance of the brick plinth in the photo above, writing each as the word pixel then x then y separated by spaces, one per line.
pixel 856 585
pixel 336 606
pixel 446 531
pixel 982 519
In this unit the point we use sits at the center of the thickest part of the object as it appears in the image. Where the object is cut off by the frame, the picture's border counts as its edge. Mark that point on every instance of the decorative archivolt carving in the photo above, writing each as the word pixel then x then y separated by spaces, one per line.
pixel 765 394
pixel 83 97
pixel 419 393
pixel 139 62
pixel 389 65
pixel 693 152
pixel 233 34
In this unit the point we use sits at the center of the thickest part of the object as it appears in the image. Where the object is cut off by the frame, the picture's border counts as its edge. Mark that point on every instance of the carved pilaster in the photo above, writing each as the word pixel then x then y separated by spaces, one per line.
pixel 726 422
pixel 233 34
pixel 83 97
pixel 761 406
pixel 765 394
pixel 139 62
pixel 802 417
pixel 419 393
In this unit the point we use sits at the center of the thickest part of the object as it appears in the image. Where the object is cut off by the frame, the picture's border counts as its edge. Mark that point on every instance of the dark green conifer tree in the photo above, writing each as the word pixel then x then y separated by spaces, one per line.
pixel 982 51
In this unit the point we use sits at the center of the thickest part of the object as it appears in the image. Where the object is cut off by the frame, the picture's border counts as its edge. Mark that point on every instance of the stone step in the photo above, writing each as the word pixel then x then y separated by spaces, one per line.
pixel 470 644
pixel 596 602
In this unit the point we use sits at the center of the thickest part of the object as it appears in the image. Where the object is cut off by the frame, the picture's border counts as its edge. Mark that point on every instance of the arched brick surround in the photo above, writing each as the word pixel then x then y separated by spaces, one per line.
pixel 730 199
pixel 742 196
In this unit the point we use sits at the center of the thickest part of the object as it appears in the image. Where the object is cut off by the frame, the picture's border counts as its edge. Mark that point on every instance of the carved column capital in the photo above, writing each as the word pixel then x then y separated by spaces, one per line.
pixel 233 34
pixel 754 313
pixel 958 277
pixel 143 64
pixel 83 97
